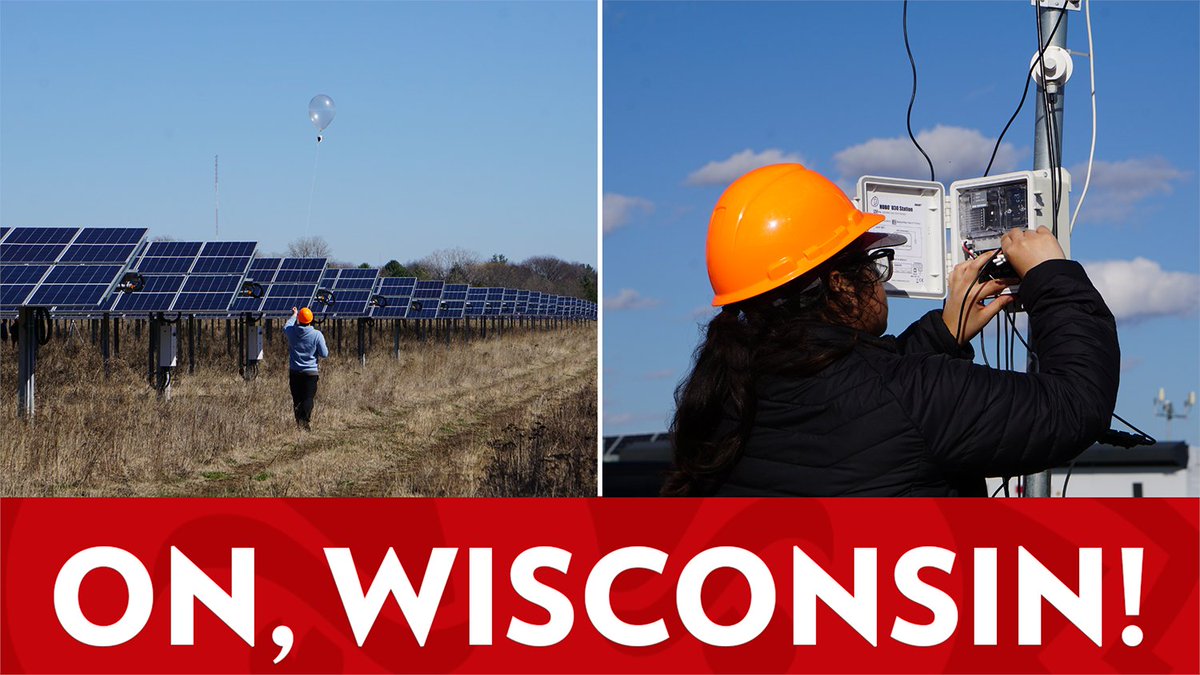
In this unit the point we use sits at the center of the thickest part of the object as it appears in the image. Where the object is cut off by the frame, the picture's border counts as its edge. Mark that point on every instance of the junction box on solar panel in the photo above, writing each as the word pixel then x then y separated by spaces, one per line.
pixel 975 212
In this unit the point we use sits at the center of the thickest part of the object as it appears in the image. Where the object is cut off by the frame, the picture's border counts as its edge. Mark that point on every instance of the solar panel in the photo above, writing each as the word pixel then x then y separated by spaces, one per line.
pixel 508 306
pixel 427 295
pixel 397 293
pixel 522 303
pixel 65 268
pixel 476 301
pixel 352 291
pixel 454 299
pixel 286 283
pixel 495 297
pixel 189 277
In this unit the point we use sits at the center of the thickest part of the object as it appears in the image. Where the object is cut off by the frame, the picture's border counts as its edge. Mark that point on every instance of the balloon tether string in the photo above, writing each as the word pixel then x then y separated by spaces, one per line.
pixel 313 191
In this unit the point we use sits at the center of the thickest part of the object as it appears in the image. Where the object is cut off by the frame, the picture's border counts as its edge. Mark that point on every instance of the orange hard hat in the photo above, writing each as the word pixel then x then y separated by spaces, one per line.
pixel 305 316
pixel 773 225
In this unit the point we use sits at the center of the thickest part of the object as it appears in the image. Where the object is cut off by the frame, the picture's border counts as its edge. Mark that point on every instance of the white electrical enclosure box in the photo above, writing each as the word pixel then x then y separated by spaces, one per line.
pixel 983 209
pixel 167 337
pixel 913 208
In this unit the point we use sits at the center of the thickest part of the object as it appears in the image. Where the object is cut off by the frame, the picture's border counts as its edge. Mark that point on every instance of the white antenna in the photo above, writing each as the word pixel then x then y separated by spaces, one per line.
pixel 1165 408
pixel 216 199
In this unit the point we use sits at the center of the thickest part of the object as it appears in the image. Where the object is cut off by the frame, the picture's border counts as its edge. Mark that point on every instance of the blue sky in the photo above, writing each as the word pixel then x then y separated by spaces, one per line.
pixel 458 125
pixel 696 94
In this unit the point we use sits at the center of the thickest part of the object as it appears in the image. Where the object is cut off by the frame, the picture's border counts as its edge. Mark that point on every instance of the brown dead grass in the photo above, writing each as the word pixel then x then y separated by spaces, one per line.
pixel 513 415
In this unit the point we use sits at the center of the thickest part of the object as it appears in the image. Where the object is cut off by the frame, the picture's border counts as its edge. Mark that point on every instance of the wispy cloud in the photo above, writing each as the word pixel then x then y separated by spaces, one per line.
pixel 956 153
pixel 1118 188
pixel 724 172
pixel 619 209
pixel 628 298
pixel 664 374
pixel 1140 289
pixel 703 313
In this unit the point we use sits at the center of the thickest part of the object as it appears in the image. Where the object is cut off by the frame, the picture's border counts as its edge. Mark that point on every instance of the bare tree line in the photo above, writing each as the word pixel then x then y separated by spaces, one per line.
pixel 546 274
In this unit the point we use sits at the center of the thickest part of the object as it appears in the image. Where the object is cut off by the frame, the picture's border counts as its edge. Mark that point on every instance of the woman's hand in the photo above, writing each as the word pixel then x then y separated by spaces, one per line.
pixel 978 314
pixel 1026 249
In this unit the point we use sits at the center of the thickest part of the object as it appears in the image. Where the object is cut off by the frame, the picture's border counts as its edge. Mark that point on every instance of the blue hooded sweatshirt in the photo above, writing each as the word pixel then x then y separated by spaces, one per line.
pixel 305 345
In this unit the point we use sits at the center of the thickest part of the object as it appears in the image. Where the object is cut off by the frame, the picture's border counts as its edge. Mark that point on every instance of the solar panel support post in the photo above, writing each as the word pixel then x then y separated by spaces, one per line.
pixel 362 342
pixel 151 362
pixel 27 344
pixel 117 337
pixel 241 349
pixel 1038 484
pixel 191 330
pixel 167 345
pixel 104 331
pixel 228 337
pixel 396 339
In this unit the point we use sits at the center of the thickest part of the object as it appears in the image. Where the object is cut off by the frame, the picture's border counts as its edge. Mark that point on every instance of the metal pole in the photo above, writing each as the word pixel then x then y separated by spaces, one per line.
pixel 151 362
pixel 191 344
pixel 1038 484
pixel 362 342
pixel 104 331
pixel 117 337
pixel 396 338
pixel 27 364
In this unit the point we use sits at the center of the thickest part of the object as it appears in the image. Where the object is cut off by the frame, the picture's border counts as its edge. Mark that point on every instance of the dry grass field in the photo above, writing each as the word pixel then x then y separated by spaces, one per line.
pixel 514 415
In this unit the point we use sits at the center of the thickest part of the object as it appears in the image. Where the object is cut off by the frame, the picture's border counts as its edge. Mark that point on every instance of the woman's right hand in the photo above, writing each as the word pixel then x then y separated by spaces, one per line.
pixel 1026 249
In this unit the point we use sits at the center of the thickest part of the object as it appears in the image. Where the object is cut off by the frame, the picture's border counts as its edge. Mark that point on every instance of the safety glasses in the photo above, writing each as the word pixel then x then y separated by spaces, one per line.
pixel 879 262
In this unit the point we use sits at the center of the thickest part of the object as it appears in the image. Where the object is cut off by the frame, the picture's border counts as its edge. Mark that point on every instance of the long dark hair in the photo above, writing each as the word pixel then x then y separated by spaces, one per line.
pixel 768 333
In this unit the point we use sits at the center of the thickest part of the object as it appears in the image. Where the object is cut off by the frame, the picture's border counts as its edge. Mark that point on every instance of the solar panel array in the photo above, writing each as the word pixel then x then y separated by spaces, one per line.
pixel 427 296
pixel 75 271
pixel 476 301
pixel 352 288
pixel 63 267
pixel 189 277
pixel 454 300
pixel 397 293
pixel 286 283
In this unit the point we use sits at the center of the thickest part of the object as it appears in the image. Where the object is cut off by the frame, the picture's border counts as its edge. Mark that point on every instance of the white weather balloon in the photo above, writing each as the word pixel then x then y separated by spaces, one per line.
pixel 320 112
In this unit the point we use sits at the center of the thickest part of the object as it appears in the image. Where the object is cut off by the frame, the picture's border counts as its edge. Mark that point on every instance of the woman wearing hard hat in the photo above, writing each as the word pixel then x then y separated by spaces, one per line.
pixel 794 392
pixel 305 346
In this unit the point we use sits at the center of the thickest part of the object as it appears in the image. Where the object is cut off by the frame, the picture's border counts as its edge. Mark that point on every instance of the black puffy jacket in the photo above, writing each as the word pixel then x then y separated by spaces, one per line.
pixel 914 416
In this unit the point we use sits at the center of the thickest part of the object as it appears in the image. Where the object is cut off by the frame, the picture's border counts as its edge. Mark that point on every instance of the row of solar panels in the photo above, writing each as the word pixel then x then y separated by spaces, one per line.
pixel 89 271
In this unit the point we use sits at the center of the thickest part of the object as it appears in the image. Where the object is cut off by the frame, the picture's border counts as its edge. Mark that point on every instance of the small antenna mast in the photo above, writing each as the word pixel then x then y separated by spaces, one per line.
pixel 216 198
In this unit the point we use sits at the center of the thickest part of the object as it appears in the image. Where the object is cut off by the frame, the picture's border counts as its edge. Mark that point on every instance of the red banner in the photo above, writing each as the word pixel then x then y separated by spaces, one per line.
pixel 1065 586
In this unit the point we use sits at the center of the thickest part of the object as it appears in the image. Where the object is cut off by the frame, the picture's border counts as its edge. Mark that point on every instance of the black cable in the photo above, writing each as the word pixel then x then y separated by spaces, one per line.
pixel 998 322
pixel 962 310
pixel 1143 434
pixel 1067 479
pixel 912 99
pixel 1003 486
pixel 1024 94
pixel 1048 113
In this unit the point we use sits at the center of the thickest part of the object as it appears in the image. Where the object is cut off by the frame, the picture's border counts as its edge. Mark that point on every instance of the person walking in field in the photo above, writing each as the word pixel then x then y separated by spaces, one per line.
pixel 306 345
